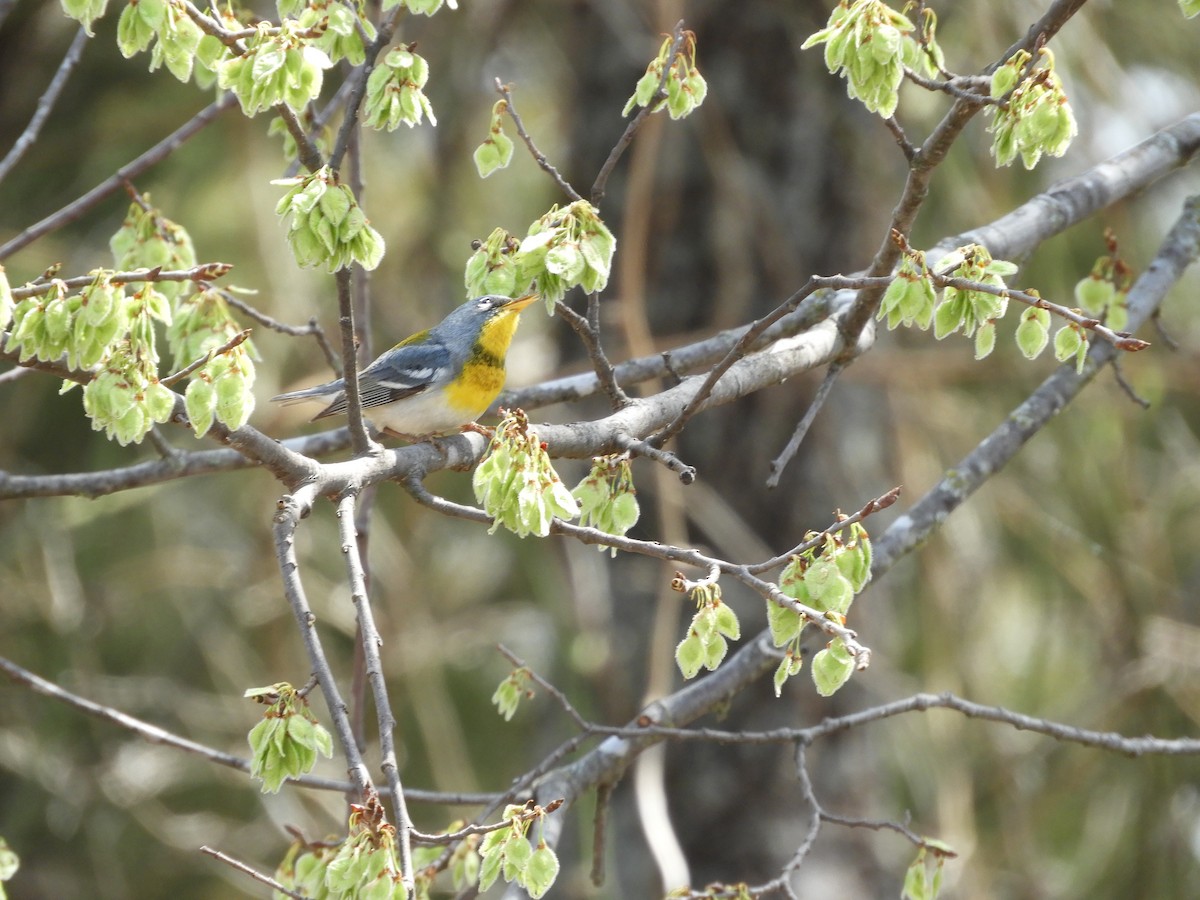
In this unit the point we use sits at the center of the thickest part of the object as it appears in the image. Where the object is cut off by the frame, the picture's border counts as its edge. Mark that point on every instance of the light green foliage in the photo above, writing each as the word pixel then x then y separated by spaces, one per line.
pixel 108 329
pixel 510 691
pixel 328 227
pixel 1104 292
pixel 9 863
pixel 85 11
pixel 344 31
pixel 969 310
pixel 517 485
pixel 278 66
pixel 394 94
pixel 1071 341
pixel 832 667
pixel 1033 334
pixel 607 497
pixel 203 323
pixel 704 645
pixel 365 866
pixel 1037 117
pixel 497 148
pixel 149 240
pixel 564 248
pixel 165 25
pixel 286 742
pixel 825 578
pixel 870 45
pixel 910 298
pixel 303 869
pixel 1190 8
pixel 685 86
pixel 509 852
pixel 923 880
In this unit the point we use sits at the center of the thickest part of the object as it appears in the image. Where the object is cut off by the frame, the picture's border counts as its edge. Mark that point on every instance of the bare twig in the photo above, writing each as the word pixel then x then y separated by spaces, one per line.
pixel 589 335
pixel 45 104
pixel 252 872
pixel 203 273
pixel 505 91
pixel 312 328
pixel 750 335
pixel 686 473
pixel 780 462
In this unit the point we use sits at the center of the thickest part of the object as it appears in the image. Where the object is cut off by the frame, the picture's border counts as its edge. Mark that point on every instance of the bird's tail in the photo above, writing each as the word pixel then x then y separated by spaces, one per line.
pixel 318 392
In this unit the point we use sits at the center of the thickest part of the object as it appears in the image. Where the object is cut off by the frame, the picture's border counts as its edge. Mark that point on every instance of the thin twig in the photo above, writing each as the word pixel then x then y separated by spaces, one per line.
pixel 883 501
pixel 252 872
pixel 79 207
pixel 206 358
pixel 312 328
pixel 750 336
pixel 202 273
pixel 286 519
pixel 371 642
pixel 780 462
pixel 44 105
pixel 505 91
pixel 660 94
pixel 590 337
pixel 630 444
pixel 307 151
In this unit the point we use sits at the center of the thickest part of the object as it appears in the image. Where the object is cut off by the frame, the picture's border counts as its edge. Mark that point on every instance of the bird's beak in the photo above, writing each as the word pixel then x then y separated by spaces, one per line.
pixel 519 303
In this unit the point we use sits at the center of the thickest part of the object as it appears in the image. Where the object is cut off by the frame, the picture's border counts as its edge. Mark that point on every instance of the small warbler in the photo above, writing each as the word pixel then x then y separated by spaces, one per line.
pixel 437 380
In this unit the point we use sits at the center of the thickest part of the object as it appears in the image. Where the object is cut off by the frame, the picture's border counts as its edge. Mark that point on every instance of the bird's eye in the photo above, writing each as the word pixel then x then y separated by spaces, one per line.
pixel 486 303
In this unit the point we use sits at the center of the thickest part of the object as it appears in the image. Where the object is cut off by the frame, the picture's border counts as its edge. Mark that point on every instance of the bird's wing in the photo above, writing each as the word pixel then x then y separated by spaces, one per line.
pixel 400 372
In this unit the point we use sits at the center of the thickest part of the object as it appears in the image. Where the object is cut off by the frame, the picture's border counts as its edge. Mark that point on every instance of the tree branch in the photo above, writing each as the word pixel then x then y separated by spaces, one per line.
pixel 156 154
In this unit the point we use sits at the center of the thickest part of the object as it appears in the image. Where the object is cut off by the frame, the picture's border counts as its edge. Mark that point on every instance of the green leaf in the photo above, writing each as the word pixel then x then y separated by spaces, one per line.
pixel 727 622
pixel 785 624
pixel 1032 335
pixel 690 655
pixel 832 668
pixel 541 871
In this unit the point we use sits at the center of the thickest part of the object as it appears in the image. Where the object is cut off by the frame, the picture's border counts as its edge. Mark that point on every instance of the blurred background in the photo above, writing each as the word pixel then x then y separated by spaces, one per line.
pixel 1068 588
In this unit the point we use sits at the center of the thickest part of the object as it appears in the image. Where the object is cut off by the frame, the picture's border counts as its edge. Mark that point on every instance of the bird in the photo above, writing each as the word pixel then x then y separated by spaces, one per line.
pixel 436 381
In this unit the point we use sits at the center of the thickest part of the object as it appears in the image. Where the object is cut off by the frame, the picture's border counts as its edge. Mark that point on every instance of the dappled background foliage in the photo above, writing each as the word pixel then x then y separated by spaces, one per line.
pixel 1067 588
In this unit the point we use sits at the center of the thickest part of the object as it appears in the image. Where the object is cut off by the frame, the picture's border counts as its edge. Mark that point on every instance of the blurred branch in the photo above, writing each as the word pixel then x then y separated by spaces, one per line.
pixel 45 104
pixel 156 154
